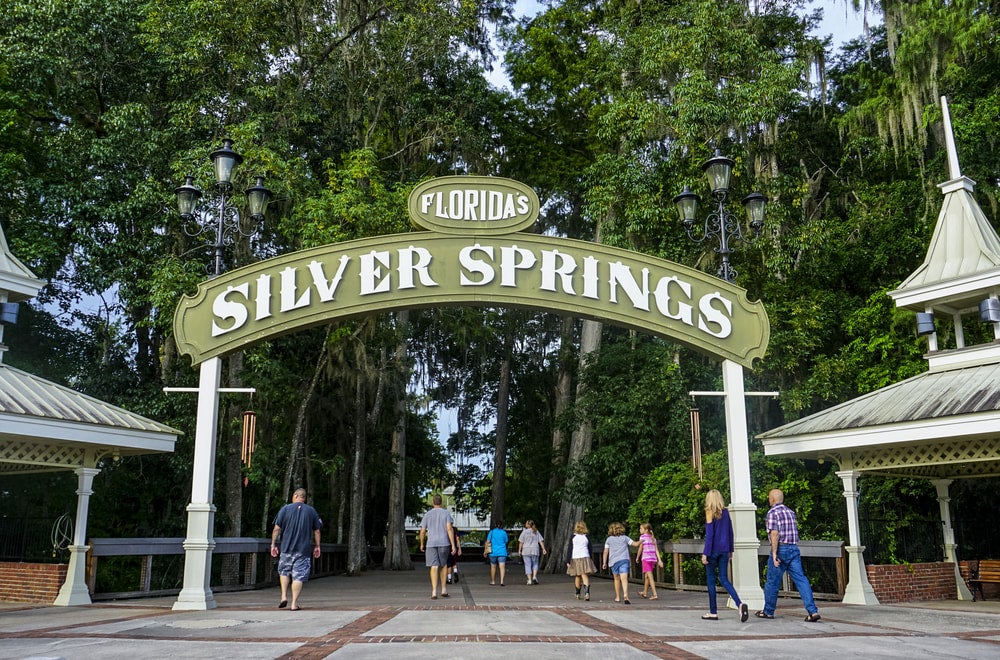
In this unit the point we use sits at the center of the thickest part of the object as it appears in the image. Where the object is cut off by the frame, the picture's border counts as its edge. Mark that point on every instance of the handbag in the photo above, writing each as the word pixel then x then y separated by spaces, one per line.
pixel 487 547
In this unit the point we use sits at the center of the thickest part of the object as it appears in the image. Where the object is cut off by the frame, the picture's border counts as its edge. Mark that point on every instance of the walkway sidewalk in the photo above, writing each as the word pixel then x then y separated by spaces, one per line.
pixel 390 615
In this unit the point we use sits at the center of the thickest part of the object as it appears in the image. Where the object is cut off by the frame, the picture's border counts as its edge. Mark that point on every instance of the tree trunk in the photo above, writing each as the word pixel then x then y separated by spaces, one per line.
pixel 397 553
pixel 295 453
pixel 356 547
pixel 564 395
pixel 500 452
pixel 234 471
pixel 570 512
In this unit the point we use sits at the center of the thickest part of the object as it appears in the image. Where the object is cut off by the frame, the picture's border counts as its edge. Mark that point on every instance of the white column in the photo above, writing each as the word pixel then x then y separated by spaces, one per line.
pixel 944 500
pixel 196 593
pixel 859 590
pixel 74 590
pixel 746 574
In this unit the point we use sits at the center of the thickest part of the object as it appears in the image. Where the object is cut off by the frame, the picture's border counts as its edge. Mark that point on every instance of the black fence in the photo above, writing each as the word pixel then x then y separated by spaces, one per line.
pixel 31 540
pixel 889 541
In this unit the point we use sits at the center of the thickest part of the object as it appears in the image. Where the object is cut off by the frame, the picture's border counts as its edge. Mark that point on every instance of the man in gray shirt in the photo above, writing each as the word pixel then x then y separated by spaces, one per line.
pixel 438 530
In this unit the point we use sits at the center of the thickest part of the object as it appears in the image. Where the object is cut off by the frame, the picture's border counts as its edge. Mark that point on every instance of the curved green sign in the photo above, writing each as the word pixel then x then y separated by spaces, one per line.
pixel 487 264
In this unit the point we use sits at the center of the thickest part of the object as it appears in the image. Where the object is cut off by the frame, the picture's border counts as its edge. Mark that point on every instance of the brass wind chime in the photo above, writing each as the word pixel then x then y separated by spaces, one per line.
pixel 249 436
pixel 696 440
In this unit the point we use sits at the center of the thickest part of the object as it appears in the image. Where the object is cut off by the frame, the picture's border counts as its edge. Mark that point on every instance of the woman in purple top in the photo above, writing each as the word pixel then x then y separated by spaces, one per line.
pixel 717 553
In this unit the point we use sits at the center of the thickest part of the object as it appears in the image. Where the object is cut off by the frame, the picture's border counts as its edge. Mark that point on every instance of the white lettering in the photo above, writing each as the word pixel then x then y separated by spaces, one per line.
pixel 288 291
pixel 223 308
pixel 663 300
pixel 263 297
pixel 471 265
pixel 495 205
pixel 508 209
pixel 371 275
pixel 550 270
pixel 510 264
pixel 590 278
pixel 471 203
pixel 621 275
pixel 327 289
pixel 425 202
pixel 408 266
pixel 455 198
pixel 522 204
pixel 710 315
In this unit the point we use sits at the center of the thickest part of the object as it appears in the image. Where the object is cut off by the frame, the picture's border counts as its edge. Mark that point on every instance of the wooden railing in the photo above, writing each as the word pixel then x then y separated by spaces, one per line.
pixel 246 561
pixel 832 551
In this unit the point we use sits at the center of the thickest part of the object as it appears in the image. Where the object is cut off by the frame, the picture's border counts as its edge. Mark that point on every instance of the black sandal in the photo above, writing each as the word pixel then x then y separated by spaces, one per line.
pixel 761 614
pixel 813 618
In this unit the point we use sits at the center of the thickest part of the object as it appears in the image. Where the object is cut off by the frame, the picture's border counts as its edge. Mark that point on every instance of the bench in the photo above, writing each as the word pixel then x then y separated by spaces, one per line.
pixel 982 572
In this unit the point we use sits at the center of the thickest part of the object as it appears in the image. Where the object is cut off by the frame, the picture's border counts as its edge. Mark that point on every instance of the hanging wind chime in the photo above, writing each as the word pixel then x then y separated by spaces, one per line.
pixel 696 440
pixel 249 436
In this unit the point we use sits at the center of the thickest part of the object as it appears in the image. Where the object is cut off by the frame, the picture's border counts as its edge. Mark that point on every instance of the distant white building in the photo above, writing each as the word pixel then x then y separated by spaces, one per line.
pixel 465 521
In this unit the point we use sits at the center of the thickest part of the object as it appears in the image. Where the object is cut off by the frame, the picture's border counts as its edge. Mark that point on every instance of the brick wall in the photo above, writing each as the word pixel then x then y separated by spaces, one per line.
pixel 913 582
pixel 23 582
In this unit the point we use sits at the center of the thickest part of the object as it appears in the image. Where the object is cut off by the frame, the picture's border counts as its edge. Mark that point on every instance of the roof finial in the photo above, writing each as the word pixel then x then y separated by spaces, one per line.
pixel 949 137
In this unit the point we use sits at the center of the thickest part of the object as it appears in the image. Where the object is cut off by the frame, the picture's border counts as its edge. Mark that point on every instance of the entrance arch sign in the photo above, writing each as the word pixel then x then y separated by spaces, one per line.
pixel 472 253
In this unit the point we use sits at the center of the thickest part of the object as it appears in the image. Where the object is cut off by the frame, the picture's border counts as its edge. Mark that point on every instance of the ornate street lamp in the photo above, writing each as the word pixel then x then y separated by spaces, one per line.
pixel 720 223
pixel 219 215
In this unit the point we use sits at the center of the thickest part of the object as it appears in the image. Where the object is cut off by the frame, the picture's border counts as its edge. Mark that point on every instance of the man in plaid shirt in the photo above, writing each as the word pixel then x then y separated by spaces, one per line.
pixel 783 532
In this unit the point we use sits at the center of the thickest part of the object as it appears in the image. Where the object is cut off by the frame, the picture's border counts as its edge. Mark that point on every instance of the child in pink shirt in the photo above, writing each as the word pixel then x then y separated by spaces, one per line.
pixel 649 556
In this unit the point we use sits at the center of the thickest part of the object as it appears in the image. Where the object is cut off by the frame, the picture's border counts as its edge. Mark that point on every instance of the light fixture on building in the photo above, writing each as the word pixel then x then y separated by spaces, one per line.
pixel 925 323
pixel 8 313
pixel 989 310
pixel 720 223
pixel 220 216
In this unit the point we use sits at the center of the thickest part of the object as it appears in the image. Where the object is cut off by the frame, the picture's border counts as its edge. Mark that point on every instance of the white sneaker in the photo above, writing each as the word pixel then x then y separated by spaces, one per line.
pixel 529 582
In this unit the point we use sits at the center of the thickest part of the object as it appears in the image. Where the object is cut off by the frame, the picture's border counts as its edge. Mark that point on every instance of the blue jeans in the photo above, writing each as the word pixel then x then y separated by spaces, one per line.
pixel 791 561
pixel 717 566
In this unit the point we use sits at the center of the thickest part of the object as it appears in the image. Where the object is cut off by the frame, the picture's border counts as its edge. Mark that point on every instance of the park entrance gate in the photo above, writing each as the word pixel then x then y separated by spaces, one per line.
pixel 472 251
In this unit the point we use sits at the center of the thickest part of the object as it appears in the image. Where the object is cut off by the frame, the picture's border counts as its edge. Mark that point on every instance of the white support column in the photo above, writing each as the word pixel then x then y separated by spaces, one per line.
pixel 859 590
pixel 196 593
pixel 746 574
pixel 74 590
pixel 944 501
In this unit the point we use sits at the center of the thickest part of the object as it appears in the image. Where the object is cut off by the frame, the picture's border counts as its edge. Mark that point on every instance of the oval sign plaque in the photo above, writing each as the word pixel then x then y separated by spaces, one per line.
pixel 473 204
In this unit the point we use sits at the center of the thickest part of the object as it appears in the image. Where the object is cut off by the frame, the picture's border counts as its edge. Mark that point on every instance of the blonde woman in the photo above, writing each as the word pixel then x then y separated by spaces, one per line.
pixel 717 553
pixel 581 562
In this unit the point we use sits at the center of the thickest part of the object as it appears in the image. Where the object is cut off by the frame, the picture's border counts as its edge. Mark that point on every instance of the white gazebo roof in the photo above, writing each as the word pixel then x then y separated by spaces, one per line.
pixel 45 426
pixel 945 422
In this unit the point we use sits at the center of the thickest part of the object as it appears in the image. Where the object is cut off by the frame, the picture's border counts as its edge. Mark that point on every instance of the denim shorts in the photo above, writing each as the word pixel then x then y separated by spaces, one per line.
pixel 498 559
pixel 620 567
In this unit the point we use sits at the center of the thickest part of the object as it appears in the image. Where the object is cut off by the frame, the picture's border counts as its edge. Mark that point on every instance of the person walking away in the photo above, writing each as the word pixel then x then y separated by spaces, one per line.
pixel 616 554
pixel 497 538
pixel 783 532
pixel 530 545
pixel 717 552
pixel 453 557
pixel 295 541
pixel 649 557
pixel 437 534
pixel 581 562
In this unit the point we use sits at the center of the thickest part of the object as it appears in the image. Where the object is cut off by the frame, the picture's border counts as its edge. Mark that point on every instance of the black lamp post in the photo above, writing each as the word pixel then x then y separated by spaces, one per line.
pixel 720 223
pixel 221 216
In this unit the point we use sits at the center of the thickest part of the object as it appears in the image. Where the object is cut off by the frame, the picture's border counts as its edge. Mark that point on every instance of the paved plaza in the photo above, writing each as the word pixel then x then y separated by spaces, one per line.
pixel 384 615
